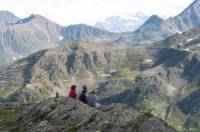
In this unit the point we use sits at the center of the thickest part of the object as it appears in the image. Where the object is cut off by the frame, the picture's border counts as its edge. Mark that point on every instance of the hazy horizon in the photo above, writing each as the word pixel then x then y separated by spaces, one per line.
pixel 66 12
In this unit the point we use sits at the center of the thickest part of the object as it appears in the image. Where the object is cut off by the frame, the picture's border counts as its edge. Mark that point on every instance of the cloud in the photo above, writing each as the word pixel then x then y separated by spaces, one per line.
pixel 67 12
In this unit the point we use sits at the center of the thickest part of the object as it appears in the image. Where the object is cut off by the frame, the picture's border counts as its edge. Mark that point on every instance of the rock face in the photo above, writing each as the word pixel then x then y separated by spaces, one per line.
pixel 189 18
pixel 26 36
pixel 43 73
pixel 65 114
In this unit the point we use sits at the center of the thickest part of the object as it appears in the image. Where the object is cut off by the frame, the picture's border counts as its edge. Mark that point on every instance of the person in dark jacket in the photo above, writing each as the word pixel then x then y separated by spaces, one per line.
pixel 73 93
pixel 83 96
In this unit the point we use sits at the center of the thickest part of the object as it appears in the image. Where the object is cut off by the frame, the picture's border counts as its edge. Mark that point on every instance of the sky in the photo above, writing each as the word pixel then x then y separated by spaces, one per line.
pixel 66 12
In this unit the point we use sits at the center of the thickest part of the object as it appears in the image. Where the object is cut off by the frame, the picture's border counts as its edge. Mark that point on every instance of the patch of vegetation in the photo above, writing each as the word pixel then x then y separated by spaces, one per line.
pixel 125 73
pixel 7 118
pixel 187 90
pixel 176 118
pixel 154 105
pixel 170 57
pixel 192 124
pixel 83 73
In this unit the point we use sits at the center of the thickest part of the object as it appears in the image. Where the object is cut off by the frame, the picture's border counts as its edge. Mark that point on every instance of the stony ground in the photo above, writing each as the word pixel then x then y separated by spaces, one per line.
pixel 65 114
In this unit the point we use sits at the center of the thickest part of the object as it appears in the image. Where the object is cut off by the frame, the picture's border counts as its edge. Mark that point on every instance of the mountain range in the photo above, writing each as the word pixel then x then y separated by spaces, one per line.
pixel 25 36
pixel 21 37
pixel 156 28
pixel 123 23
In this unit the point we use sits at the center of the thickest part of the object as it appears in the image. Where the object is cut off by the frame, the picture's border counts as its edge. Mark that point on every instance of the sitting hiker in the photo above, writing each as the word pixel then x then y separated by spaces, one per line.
pixel 73 93
pixel 92 99
pixel 83 96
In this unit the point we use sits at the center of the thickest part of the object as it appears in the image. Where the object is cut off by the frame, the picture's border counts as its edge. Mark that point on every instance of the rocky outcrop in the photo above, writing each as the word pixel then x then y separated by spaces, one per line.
pixel 65 114
pixel 46 72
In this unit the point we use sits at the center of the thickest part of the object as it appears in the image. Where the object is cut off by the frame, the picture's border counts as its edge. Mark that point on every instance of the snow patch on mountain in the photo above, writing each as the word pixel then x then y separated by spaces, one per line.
pixel 60 37
pixel 14 58
pixel 188 40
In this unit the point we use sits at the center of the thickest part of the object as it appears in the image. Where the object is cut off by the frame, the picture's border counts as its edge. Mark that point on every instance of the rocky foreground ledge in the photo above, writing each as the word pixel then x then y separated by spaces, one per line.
pixel 68 115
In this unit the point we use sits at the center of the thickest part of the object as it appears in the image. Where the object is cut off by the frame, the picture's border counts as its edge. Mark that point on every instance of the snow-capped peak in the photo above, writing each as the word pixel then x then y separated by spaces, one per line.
pixel 125 22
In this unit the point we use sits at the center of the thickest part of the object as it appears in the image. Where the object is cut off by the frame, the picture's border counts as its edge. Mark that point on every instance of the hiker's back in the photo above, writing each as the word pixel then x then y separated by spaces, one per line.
pixel 73 93
pixel 83 98
pixel 92 100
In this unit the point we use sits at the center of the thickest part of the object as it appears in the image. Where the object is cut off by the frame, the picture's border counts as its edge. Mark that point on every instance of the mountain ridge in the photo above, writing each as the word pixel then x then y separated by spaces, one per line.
pixel 7 17
pixel 36 32
pixel 54 113
pixel 189 18
pixel 25 36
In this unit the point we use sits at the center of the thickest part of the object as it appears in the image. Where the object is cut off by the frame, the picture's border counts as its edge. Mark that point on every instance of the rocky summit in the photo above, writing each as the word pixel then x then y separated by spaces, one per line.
pixel 68 115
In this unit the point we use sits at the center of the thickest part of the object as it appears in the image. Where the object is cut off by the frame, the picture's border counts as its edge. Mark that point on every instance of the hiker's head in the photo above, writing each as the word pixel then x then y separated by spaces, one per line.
pixel 85 88
pixel 73 87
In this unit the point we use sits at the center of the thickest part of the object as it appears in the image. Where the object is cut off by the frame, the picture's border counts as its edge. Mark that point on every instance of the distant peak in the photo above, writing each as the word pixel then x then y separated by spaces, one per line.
pixel 5 12
pixel 37 16
pixel 7 17
pixel 8 14
pixel 154 19
pixel 32 17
